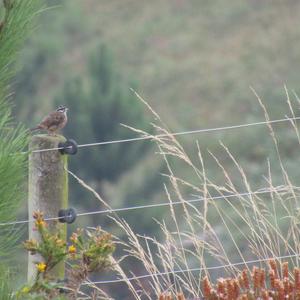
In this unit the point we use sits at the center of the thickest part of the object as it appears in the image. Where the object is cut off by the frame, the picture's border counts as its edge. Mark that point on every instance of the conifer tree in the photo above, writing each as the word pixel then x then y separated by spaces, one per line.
pixel 15 24
pixel 98 105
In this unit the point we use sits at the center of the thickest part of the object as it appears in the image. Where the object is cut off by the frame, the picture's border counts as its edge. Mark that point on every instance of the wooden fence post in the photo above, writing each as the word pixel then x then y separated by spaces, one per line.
pixel 47 190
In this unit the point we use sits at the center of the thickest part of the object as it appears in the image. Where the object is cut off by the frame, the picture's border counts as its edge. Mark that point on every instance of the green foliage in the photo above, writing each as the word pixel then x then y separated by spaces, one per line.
pixel 17 17
pixel 14 26
pixel 98 104
pixel 5 285
pixel 12 173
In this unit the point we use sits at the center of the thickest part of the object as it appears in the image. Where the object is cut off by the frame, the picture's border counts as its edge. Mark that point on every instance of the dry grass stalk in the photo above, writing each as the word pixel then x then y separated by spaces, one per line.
pixel 209 233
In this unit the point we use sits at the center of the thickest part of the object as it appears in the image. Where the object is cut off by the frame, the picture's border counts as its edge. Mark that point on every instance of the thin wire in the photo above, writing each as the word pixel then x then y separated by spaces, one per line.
pixel 175 202
pixel 30 220
pixel 189 270
pixel 106 211
pixel 173 134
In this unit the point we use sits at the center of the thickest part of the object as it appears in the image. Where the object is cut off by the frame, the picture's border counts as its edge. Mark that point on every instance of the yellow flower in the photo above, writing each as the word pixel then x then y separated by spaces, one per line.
pixel 40 222
pixel 25 290
pixel 41 267
pixel 72 249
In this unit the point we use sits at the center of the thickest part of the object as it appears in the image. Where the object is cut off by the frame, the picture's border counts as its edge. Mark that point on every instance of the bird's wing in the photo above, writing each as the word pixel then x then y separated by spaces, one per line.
pixel 53 119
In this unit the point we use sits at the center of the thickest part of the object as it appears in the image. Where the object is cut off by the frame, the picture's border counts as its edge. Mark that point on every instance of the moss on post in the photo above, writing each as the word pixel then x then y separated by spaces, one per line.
pixel 47 189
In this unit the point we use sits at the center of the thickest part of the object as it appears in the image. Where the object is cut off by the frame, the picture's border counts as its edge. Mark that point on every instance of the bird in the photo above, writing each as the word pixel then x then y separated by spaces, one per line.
pixel 54 121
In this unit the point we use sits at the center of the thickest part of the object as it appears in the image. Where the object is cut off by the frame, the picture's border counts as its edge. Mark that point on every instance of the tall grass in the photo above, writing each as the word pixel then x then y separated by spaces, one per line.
pixel 209 234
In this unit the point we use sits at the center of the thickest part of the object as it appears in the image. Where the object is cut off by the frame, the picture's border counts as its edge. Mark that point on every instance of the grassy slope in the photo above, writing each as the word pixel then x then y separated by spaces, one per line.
pixel 202 54
pixel 197 54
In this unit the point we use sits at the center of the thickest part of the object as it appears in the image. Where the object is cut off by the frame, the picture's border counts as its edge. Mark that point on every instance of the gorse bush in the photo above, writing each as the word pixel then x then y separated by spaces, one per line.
pixel 86 252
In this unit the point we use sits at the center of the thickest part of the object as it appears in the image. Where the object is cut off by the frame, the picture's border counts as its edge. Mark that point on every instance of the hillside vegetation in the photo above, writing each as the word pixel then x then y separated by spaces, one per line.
pixel 202 55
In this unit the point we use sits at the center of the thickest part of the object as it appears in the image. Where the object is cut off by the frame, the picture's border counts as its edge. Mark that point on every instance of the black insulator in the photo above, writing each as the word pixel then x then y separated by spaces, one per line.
pixel 68 147
pixel 67 215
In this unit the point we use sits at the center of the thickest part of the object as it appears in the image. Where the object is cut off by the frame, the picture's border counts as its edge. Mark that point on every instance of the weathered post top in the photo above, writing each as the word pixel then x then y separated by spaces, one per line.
pixel 47 187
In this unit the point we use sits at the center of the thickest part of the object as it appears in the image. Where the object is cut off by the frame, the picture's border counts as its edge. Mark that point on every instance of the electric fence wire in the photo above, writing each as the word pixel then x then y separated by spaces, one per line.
pixel 170 203
pixel 130 208
pixel 147 138
pixel 174 134
pixel 190 270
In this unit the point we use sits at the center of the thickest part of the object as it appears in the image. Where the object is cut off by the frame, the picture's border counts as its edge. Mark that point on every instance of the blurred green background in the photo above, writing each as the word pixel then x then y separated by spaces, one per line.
pixel 193 61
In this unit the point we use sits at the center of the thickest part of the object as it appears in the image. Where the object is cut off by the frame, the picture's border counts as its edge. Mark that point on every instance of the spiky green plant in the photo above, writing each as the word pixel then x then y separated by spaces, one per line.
pixel 15 24
pixel 5 285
